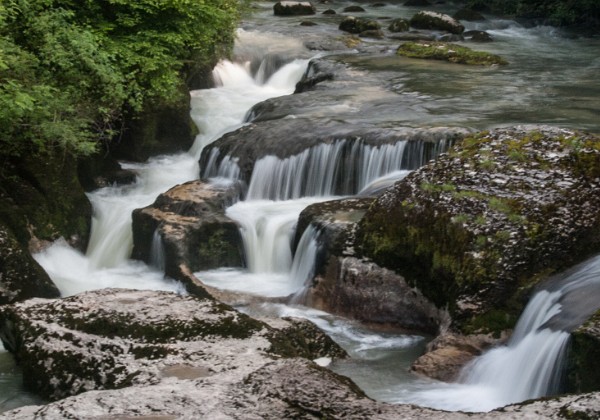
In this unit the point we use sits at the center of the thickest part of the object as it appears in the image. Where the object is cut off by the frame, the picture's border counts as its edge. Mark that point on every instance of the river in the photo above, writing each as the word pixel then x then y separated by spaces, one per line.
pixel 551 78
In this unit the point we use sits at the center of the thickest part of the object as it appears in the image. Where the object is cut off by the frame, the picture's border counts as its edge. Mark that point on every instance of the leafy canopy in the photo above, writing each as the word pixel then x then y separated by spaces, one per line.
pixel 69 69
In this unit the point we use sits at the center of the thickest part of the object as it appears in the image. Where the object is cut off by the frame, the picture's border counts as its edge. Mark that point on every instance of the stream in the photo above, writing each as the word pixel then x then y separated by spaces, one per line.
pixel 552 78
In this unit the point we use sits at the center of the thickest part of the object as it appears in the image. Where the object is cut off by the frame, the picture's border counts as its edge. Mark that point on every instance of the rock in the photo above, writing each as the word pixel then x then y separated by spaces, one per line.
pixel 478 36
pixel 436 21
pixel 378 5
pixel 292 8
pixel 399 25
pixel 21 277
pixel 468 15
pixel 581 372
pixel 450 38
pixel 307 23
pixel 102 170
pixel 417 3
pixel 447 354
pixel 478 227
pixel 116 338
pixel 372 33
pixel 195 233
pixel 354 9
pixel 413 36
pixel 452 53
pixel 355 25
pixel 347 286
pixel 329 12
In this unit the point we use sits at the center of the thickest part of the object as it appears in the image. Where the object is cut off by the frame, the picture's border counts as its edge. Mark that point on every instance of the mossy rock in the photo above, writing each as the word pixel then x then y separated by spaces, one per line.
pixel 452 53
pixel 436 21
pixel 355 25
pixel 582 373
pixel 399 25
pixel 479 227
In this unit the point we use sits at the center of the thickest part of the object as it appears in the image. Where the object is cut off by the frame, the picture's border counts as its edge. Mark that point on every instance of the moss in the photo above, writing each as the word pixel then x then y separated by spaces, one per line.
pixel 452 53
pixel 494 321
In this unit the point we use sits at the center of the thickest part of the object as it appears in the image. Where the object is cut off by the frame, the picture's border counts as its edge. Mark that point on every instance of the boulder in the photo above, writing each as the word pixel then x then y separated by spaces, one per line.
pixel 436 21
pixel 192 227
pixel 21 277
pixel 372 33
pixel 478 36
pixel 448 353
pixel 116 338
pixel 354 9
pixel 417 3
pixel 452 53
pixel 329 12
pixel 356 25
pixel 357 289
pixel 102 170
pixel 478 227
pixel 399 25
pixel 293 8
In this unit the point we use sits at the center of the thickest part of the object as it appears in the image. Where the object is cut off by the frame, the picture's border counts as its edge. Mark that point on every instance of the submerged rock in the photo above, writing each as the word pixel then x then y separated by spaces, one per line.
pixel 449 52
pixel 192 228
pixel 355 25
pixel 478 36
pixel 116 338
pixel 436 21
pixel 479 226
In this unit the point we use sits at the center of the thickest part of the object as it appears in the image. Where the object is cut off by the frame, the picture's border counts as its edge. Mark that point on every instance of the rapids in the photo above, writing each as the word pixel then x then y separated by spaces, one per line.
pixel 552 79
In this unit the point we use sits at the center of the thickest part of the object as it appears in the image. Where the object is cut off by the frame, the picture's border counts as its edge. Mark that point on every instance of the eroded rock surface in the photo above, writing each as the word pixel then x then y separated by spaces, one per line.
pixel 117 338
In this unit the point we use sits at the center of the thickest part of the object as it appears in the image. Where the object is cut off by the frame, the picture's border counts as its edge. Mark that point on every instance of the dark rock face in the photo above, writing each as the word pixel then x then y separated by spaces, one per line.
pixel 196 234
pixel 479 226
pixel 116 338
pixel 436 21
pixel 582 373
pixel 21 277
pixel 292 8
pixel 102 170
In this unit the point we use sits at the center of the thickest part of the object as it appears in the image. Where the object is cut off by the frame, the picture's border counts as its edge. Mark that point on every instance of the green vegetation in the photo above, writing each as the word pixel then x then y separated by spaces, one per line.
pixel 448 52
pixel 556 12
pixel 70 72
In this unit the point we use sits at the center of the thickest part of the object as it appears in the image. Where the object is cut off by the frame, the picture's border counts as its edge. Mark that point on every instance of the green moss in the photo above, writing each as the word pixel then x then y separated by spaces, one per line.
pixel 494 321
pixel 452 53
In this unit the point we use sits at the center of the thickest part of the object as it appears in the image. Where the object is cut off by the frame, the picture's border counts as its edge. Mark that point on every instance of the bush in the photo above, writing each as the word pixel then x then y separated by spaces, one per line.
pixel 70 70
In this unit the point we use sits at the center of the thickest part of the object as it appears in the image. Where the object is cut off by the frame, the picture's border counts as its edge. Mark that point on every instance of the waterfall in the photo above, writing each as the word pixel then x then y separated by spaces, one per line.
pixel 530 365
pixel 157 252
pixel 303 266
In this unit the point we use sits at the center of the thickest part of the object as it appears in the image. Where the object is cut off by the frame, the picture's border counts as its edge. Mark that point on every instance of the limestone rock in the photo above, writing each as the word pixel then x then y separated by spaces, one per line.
pixel 116 338
pixel 479 226
pixel 436 21
pixel 194 231
pixel 293 8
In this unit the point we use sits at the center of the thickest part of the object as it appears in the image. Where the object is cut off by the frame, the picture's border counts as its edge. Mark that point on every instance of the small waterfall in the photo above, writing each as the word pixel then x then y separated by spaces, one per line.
pixel 157 252
pixel 227 168
pixel 303 266
pixel 530 366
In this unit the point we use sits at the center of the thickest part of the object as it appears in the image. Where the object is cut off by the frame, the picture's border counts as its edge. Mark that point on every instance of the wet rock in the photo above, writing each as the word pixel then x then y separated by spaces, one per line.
pixel 452 53
pixel 192 227
pixel 355 25
pixel 478 36
pixel 399 25
pixel 307 23
pixel 436 21
pixel 21 277
pixel 291 8
pixel 479 226
pixel 329 12
pixel 102 170
pixel 447 354
pixel 347 286
pixel 354 9
pixel 372 33
pixel 468 15
pixel 116 338
pixel 413 36
pixel 582 374
pixel 450 38
pixel 417 3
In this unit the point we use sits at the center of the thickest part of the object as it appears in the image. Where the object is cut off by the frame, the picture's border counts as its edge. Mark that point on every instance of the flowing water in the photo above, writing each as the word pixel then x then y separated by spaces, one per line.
pixel 552 78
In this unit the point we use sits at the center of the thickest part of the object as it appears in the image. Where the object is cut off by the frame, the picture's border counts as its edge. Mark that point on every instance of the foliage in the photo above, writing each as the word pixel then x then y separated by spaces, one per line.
pixel 70 69
pixel 556 12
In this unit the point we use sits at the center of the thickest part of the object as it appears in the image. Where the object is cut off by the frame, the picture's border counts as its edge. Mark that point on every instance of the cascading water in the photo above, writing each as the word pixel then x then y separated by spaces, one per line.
pixel 530 365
